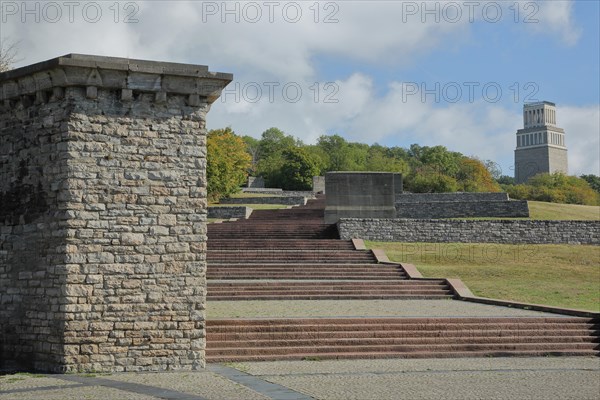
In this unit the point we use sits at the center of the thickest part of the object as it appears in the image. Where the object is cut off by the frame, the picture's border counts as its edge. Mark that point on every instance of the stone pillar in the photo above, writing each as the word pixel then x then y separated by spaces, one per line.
pixel 103 214
pixel 359 195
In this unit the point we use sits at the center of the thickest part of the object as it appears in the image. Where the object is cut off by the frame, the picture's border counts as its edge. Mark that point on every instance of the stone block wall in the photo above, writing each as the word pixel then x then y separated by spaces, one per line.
pixel 472 209
pixel 103 221
pixel 459 205
pixel 33 196
pixel 229 212
pixel 285 200
pixel 471 231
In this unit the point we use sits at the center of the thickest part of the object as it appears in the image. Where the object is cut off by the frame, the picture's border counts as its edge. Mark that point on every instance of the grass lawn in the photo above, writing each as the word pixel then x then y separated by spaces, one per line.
pixel 542 210
pixel 546 211
pixel 242 195
pixel 556 275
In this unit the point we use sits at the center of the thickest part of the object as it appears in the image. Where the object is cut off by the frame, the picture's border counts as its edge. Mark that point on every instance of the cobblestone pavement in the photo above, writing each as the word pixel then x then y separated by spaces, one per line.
pixel 467 378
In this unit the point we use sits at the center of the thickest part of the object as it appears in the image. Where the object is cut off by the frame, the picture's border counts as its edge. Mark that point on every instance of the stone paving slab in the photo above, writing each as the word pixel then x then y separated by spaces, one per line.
pixel 467 378
pixel 487 378
pixel 361 308
pixel 203 383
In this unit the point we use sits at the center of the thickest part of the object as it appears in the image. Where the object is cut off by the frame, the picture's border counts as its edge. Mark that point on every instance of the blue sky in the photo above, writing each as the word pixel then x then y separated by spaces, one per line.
pixel 360 74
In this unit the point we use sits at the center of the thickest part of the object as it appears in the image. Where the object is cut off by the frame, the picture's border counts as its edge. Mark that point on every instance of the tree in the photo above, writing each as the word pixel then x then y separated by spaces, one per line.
pixel 493 168
pixel 271 146
pixel 446 162
pixel 337 151
pixel 273 141
pixel 227 163
pixel 381 158
pixel 252 147
pixel 593 181
pixel 473 176
pixel 8 54
pixel 298 169
pixel 505 180
pixel 555 188
pixel 428 179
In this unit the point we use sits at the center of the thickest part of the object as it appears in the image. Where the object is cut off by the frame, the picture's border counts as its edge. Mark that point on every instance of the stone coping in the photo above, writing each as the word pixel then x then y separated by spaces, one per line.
pixel 114 73
pixel 117 63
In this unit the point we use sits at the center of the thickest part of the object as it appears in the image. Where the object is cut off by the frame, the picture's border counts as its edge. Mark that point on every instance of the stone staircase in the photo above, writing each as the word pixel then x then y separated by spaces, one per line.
pixel 348 338
pixel 289 254
pixel 255 266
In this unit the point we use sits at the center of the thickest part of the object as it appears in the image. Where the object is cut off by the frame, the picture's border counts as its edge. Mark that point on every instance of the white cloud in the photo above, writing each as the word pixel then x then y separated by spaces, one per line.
pixel 582 137
pixel 370 33
pixel 552 17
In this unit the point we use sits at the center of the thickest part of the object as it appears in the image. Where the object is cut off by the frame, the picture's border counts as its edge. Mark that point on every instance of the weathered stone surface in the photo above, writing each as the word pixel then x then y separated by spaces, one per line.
pixel 103 214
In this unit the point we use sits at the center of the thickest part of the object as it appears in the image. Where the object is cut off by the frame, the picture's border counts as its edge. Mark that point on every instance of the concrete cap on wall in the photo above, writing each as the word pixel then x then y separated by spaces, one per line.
pixel 114 73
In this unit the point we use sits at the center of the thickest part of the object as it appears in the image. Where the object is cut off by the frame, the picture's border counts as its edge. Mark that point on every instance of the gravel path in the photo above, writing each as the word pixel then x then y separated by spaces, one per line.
pixel 361 308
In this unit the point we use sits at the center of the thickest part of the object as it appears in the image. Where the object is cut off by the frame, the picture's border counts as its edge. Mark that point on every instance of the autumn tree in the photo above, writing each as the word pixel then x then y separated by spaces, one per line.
pixel 473 176
pixel 556 188
pixel 227 163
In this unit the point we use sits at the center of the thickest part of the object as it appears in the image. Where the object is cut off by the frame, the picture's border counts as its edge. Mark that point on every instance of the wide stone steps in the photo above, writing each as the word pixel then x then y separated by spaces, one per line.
pixel 325 338
pixel 328 290
pixel 306 271
pixel 291 214
pixel 274 244
pixel 294 256
pixel 245 230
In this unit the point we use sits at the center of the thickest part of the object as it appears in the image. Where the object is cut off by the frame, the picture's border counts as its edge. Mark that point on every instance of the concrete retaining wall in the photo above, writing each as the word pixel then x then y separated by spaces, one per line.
pixel 471 231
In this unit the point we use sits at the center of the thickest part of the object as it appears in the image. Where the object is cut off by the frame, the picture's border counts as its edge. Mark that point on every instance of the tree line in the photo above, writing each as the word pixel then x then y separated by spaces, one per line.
pixel 286 162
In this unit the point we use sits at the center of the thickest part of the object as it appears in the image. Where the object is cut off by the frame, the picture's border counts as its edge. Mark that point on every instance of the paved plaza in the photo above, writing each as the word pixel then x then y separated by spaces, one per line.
pixel 472 378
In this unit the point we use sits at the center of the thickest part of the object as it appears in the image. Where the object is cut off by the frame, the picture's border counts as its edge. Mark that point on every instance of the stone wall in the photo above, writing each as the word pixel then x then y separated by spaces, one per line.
pixel 273 191
pixel 450 197
pixel 471 231
pixel 453 209
pixel 459 205
pixel 103 214
pixel 229 212
pixel 285 200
